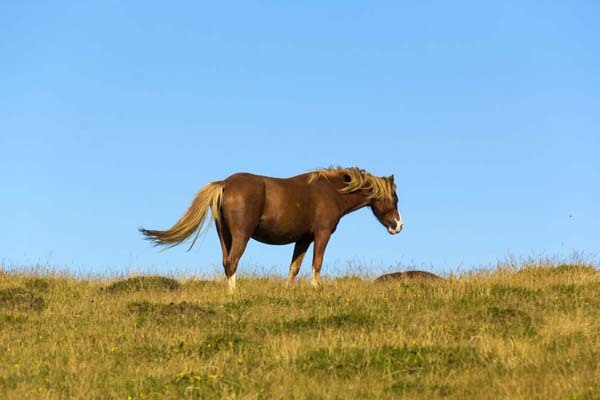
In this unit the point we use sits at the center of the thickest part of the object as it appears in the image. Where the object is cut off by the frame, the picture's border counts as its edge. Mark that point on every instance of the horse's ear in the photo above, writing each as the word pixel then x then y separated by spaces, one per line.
pixel 347 178
pixel 391 178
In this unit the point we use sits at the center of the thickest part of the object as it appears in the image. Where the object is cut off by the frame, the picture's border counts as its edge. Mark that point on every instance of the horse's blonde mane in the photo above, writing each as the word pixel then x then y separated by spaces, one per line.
pixel 357 179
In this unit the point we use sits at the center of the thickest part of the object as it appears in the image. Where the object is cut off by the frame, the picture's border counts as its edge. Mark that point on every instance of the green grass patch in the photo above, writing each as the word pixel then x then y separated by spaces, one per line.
pixel 161 313
pixel 337 321
pixel 509 321
pixel 224 341
pixel 11 319
pixel 510 333
pixel 20 299
pixel 392 360
pixel 38 285
pixel 146 283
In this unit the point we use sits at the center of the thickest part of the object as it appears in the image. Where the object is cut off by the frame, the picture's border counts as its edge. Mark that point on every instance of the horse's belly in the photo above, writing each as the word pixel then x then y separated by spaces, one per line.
pixel 279 235
pixel 286 216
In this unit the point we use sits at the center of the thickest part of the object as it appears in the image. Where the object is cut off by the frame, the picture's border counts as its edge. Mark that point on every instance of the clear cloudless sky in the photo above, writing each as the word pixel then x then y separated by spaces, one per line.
pixel 113 114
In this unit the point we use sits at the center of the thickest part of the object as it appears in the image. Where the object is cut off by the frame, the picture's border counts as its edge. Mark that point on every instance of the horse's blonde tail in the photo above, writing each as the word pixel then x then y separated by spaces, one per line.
pixel 193 219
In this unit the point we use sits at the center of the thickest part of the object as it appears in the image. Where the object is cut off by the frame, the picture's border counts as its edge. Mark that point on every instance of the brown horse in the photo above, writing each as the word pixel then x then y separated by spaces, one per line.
pixel 303 209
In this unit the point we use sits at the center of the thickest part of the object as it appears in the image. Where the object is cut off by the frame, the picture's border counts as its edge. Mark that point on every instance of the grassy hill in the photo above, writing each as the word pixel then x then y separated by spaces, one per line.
pixel 525 332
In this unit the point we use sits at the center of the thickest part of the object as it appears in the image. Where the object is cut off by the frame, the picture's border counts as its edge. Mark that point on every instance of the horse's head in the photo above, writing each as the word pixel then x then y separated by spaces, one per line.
pixel 386 209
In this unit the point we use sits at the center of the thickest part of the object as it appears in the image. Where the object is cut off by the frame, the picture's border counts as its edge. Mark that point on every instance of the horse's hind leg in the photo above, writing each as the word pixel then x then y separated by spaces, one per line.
pixel 241 207
pixel 224 238
pixel 233 247
pixel 239 240
pixel 235 232
pixel 299 252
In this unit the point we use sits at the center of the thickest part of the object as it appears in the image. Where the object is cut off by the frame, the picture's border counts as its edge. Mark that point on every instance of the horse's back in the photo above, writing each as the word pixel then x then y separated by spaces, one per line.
pixel 242 178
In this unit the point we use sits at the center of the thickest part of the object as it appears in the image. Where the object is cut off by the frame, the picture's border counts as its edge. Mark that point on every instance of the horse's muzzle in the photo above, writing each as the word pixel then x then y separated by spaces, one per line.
pixel 395 227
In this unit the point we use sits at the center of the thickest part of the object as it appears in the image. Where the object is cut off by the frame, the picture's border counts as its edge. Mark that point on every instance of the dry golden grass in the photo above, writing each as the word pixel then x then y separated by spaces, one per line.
pixel 531 332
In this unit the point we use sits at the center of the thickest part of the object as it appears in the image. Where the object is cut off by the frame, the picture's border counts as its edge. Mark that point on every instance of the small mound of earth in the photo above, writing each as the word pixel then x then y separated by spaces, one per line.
pixel 407 275
pixel 21 300
pixel 138 283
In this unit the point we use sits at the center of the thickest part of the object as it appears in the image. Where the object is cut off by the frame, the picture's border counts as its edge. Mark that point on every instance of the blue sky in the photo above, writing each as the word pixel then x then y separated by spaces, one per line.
pixel 113 114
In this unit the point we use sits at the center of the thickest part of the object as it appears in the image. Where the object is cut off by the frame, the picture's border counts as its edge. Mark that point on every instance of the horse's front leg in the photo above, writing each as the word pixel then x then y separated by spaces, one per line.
pixel 321 239
pixel 299 252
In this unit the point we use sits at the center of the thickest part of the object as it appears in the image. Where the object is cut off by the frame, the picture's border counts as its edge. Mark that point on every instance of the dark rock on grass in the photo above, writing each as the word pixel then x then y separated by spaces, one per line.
pixel 407 275
pixel 20 299
pixel 138 283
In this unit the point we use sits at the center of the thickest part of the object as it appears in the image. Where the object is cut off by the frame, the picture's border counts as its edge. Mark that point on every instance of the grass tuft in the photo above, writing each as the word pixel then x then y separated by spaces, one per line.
pixel 391 360
pixel 509 321
pixel 336 321
pixel 20 299
pixel 139 283
pixel 38 285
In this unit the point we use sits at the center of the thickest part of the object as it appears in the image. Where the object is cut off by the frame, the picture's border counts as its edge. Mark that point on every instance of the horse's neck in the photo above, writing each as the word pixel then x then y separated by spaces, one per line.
pixel 353 201
pixel 348 202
